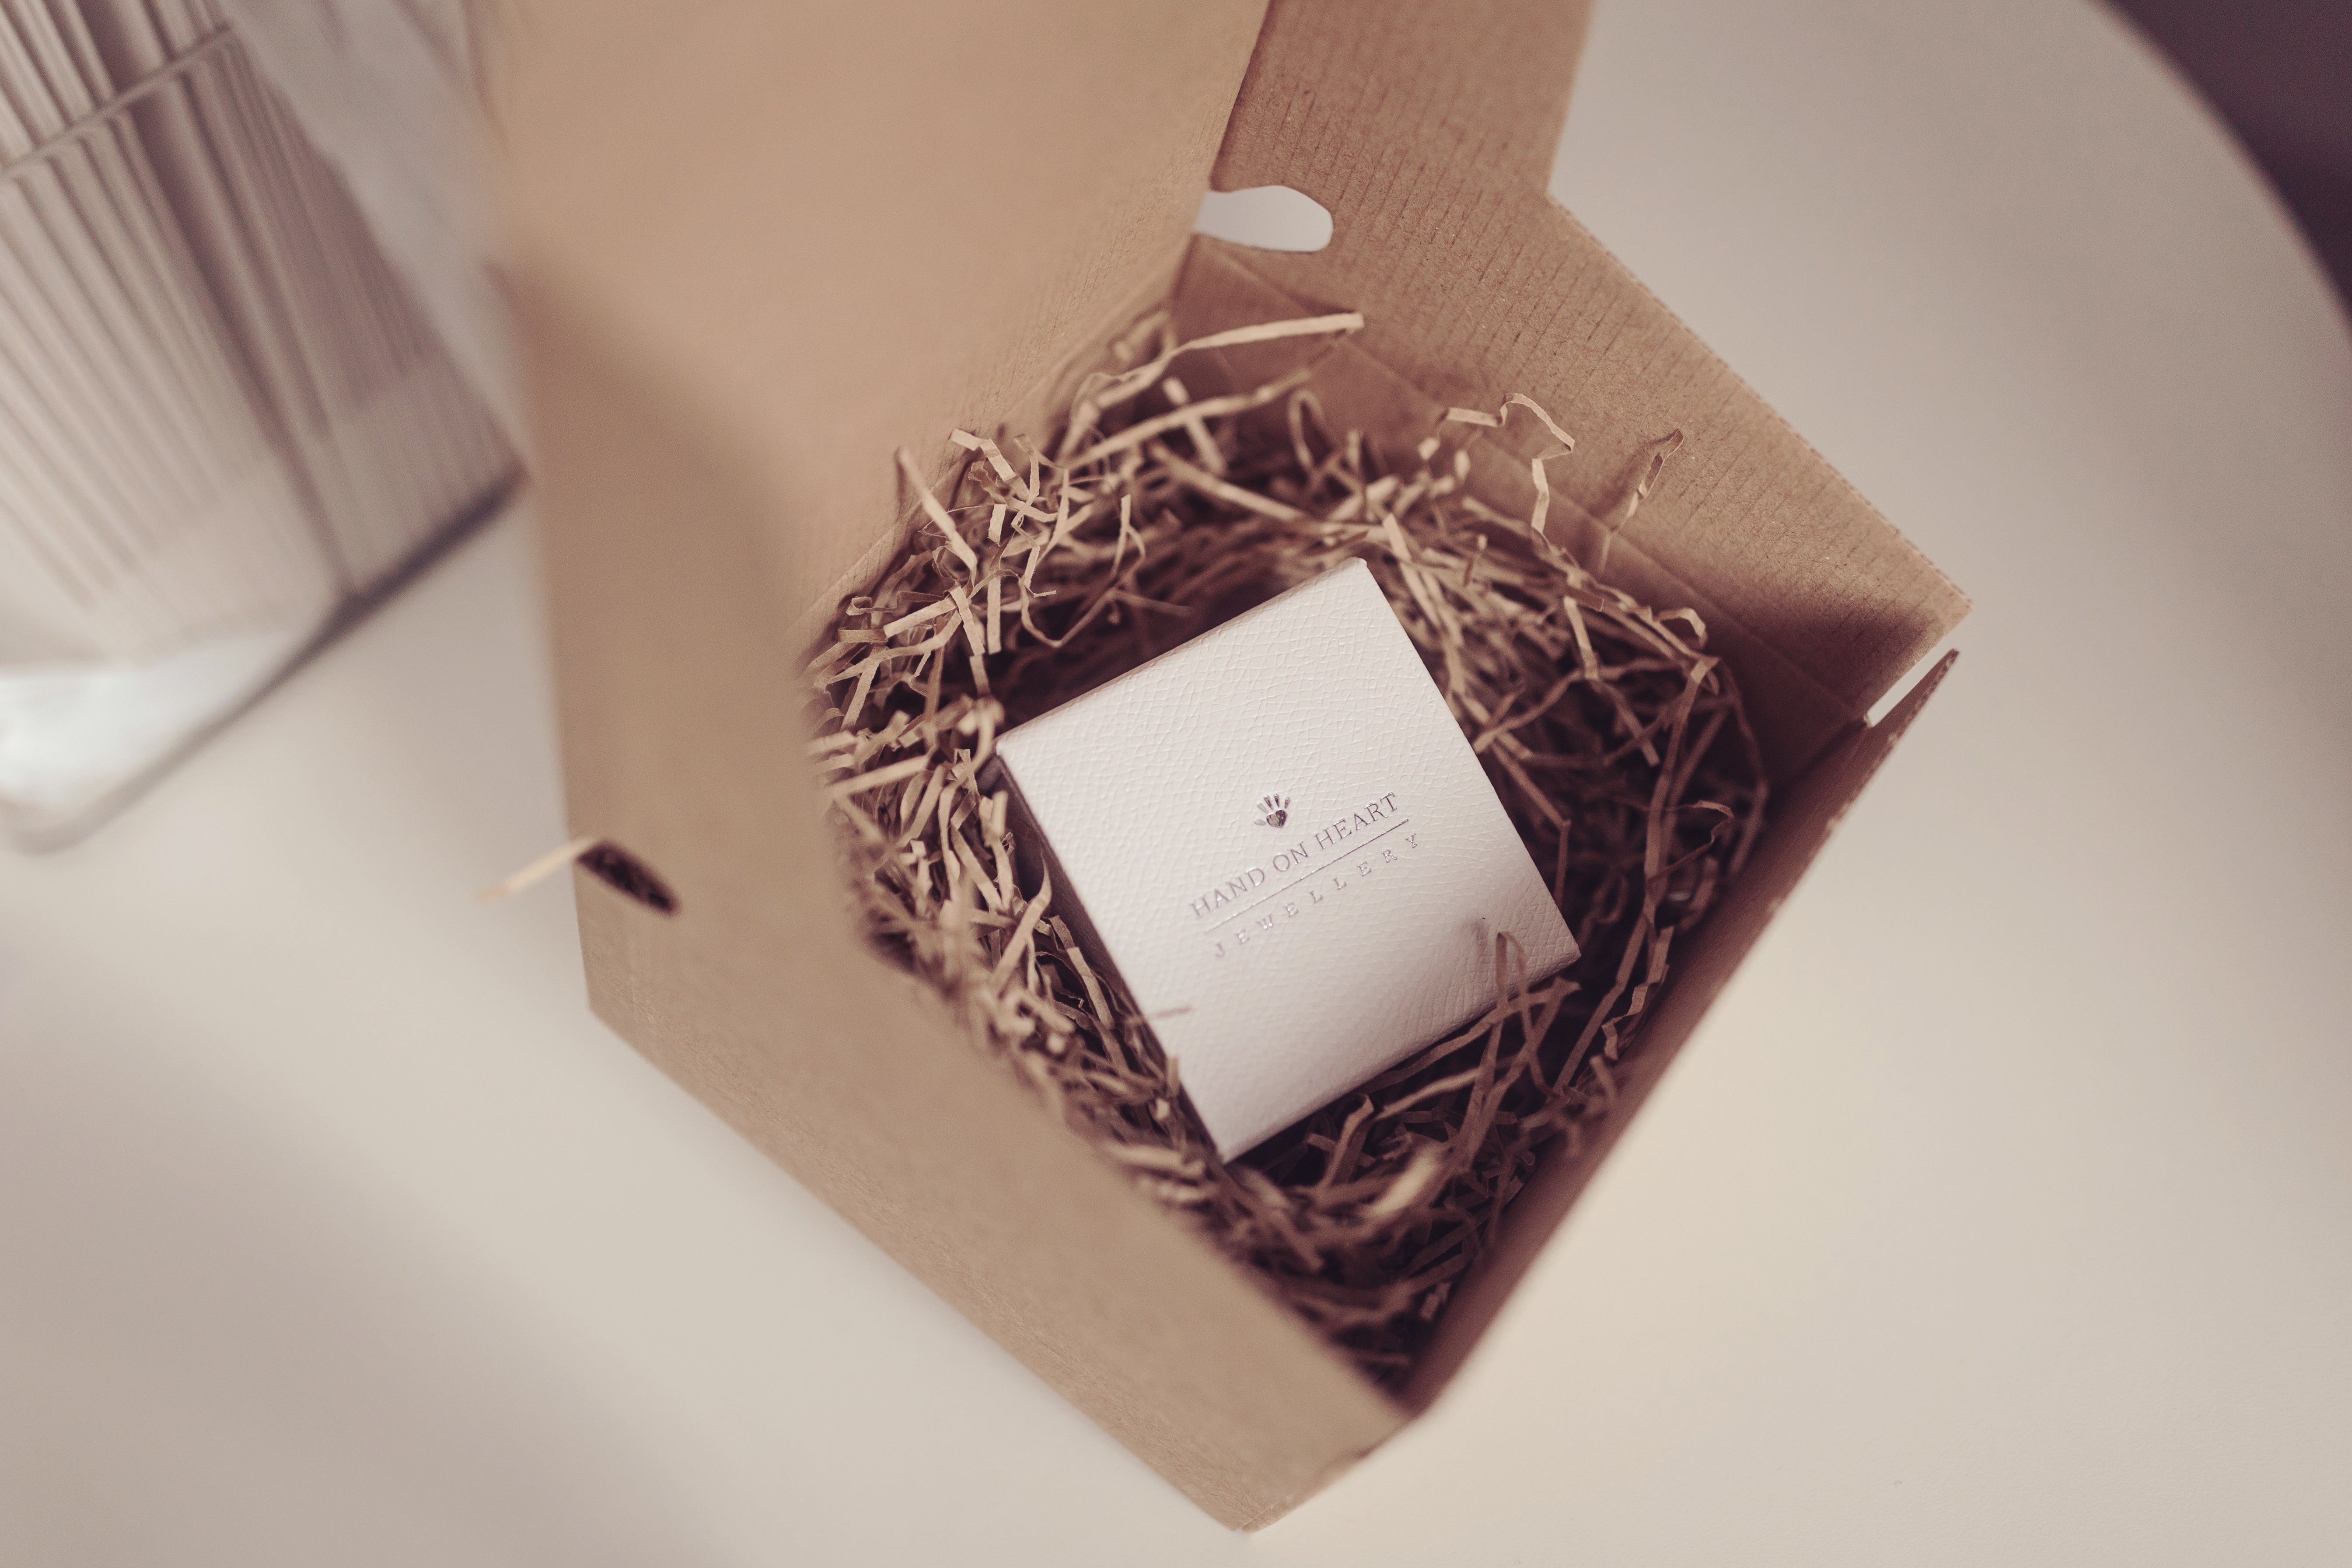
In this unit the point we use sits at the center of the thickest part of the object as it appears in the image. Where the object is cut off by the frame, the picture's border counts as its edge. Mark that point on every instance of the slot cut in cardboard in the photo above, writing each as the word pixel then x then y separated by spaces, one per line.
pixel 759 248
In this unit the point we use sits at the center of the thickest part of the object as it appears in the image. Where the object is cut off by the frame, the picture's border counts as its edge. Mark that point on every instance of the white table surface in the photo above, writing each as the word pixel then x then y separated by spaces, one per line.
pixel 2001 1212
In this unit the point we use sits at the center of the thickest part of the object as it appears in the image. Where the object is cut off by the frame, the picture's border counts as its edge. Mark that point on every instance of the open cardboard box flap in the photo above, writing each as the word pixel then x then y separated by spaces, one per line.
pixel 757 248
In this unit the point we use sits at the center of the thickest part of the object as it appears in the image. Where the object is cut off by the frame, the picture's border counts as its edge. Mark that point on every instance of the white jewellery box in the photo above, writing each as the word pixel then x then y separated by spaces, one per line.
pixel 1278 838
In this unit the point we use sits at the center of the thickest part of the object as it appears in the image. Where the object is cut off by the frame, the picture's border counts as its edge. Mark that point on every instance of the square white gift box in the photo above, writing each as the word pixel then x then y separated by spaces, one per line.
pixel 1278 838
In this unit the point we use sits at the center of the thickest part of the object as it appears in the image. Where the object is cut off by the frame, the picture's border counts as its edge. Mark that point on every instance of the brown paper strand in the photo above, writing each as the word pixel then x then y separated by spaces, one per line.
pixel 1617 744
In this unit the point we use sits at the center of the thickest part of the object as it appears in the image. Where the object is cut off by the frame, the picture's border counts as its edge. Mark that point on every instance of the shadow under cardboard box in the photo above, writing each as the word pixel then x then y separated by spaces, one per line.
pixel 718 392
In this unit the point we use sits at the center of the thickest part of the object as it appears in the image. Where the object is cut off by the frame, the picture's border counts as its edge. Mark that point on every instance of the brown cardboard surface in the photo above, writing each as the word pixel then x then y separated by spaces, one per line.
pixel 682 746
pixel 760 249
pixel 1808 812
pixel 1428 132
pixel 851 228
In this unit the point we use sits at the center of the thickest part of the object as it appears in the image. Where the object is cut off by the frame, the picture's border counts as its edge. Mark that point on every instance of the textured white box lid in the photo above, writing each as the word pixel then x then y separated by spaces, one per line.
pixel 1287 851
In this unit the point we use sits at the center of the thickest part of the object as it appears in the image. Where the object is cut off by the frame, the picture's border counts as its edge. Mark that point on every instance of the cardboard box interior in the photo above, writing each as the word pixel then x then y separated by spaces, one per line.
pixel 759 248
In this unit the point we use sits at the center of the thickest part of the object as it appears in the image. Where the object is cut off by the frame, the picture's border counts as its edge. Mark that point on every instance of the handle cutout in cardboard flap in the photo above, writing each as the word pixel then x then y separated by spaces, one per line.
pixel 628 876
pixel 600 858
pixel 1266 217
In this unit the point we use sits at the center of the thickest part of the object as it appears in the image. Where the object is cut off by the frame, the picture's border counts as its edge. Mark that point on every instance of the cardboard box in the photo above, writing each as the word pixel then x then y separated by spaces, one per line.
pixel 759 248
